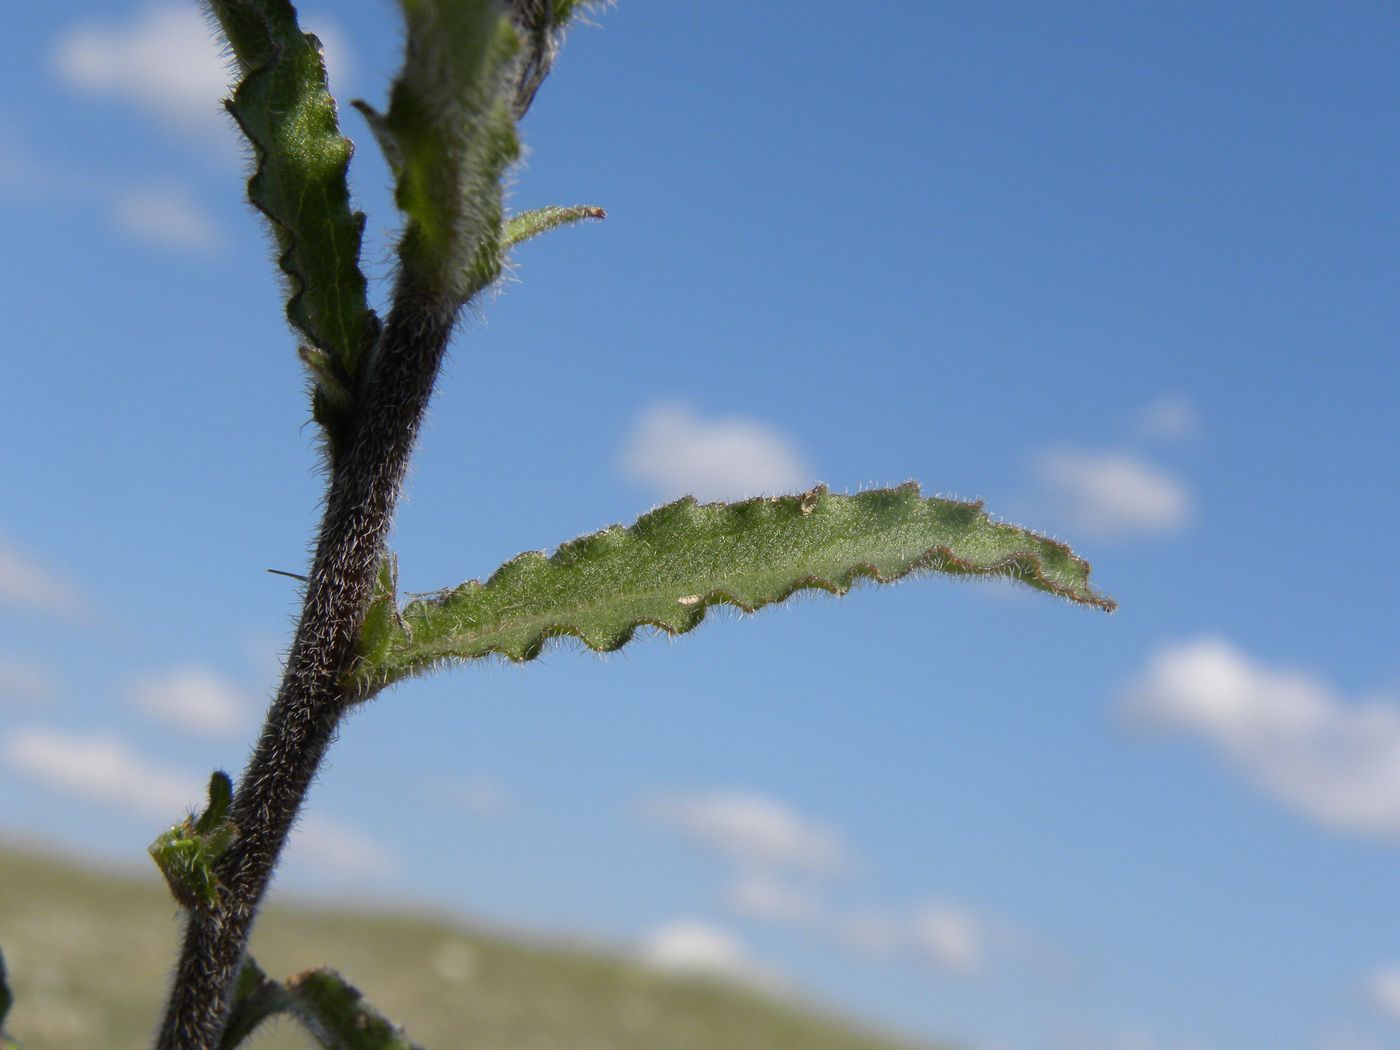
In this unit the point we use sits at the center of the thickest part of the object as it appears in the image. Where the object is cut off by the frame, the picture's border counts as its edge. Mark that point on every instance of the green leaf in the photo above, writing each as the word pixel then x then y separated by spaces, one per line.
pixel 299 182
pixel 676 562
pixel 327 1006
pixel 337 1015
pixel 220 798
pixel 185 854
pixel 450 134
pixel 533 223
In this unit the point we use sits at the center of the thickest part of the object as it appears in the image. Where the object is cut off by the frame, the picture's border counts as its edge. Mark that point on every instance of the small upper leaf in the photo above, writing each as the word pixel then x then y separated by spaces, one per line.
pixel 284 108
pixel 520 228
pixel 185 854
pixel 675 562
pixel 449 134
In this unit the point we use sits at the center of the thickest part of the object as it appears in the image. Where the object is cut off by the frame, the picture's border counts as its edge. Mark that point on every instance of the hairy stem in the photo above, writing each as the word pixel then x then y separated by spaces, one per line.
pixel 359 509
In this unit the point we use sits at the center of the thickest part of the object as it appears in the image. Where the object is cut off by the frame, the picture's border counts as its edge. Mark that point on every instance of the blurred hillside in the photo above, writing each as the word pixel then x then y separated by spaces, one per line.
pixel 88 954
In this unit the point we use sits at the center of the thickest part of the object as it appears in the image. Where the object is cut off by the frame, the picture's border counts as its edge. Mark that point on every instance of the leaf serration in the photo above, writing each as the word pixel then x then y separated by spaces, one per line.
pixel 284 108
pixel 674 563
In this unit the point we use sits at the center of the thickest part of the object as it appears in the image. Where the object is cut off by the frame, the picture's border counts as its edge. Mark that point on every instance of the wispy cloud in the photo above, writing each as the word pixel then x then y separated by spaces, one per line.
pixel 1114 493
pixel 935 934
pixel 165 215
pixel 693 947
pixel 1170 418
pixel 103 769
pixel 162 212
pixel 1292 735
pixel 1383 991
pixel 164 61
pixel 29 586
pixel 755 831
pixel 24 683
pixel 952 939
pixel 762 895
pixel 194 699
pixel 333 847
pixel 677 453
pixel 783 867
pixel 477 796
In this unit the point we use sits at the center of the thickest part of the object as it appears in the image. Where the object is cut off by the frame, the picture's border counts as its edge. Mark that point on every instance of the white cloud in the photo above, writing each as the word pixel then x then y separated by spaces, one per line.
pixel 949 938
pixel 23 682
pixel 165 61
pixel 103 769
pixel 1383 990
pixel 946 938
pixel 677 453
pixel 478 796
pixel 783 863
pixel 782 875
pixel 481 798
pixel 693 947
pixel 753 830
pixel 1114 493
pixel 336 848
pixel 29 586
pixel 937 935
pixel 1338 762
pixel 760 895
pixel 1169 418
pixel 164 215
pixel 194 699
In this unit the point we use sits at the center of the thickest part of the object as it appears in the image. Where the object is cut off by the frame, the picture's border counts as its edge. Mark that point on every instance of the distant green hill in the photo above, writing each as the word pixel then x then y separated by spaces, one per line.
pixel 89 952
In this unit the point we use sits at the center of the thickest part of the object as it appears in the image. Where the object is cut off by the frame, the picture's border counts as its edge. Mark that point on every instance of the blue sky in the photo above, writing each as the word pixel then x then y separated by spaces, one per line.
pixel 1127 272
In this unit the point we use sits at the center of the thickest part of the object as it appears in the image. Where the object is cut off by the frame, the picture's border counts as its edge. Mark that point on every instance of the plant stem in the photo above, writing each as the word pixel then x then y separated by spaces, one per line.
pixel 301 722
